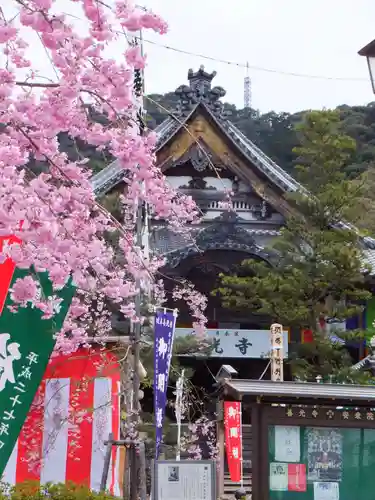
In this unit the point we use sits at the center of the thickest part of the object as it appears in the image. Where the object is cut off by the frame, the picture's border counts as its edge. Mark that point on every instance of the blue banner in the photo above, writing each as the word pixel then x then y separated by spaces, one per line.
pixel 165 323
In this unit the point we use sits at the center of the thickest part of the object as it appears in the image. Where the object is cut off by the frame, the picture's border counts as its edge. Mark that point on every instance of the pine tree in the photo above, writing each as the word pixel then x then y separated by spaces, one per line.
pixel 318 264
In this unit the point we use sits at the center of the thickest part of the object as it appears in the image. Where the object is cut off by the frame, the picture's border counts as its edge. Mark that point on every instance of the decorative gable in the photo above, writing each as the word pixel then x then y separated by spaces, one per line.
pixel 198 160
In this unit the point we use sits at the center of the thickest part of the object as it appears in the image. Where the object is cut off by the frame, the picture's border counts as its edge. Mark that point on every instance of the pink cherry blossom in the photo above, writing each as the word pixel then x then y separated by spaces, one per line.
pixel 134 57
pixel 197 304
pixel 24 290
pixel 7 33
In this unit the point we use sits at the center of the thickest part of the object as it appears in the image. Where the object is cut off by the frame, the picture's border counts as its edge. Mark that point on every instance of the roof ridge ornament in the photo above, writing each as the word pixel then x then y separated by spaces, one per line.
pixel 200 78
pixel 200 90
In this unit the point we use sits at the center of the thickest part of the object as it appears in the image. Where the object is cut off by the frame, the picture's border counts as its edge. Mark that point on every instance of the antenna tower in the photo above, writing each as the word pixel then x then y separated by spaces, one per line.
pixel 247 89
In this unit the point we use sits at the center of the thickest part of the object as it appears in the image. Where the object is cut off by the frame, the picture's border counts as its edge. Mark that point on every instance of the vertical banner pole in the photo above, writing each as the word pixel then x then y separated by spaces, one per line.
pixel 107 462
pixel 277 353
pixel 179 410
pixel 142 467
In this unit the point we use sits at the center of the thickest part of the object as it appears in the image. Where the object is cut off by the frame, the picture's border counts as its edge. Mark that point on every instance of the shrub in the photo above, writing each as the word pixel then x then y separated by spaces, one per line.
pixel 34 491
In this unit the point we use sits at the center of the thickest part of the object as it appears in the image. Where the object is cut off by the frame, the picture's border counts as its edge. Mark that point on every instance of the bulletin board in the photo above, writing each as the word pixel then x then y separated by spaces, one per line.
pixel 321 463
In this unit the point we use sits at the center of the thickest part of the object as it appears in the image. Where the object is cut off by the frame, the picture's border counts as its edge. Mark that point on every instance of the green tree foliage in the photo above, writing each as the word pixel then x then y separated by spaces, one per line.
pixel 158 107
pixel 366 217
pixel 316 271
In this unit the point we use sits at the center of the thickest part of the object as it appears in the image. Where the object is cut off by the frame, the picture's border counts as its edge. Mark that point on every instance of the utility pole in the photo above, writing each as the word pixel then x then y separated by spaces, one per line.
pixel 247 89
pixel 136 333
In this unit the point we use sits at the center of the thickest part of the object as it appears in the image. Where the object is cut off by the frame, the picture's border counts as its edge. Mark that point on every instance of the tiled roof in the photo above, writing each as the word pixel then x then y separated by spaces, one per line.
pixel 370 260
pixel 271 169
pixel 369 244
pixel 113 173
pixel 300 390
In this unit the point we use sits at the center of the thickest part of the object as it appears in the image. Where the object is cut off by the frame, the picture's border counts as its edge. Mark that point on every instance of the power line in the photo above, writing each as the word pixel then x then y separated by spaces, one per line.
pixel 239 64
pixel 257 68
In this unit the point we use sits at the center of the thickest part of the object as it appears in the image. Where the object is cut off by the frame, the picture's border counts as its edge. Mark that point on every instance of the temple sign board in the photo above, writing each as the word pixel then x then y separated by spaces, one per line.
pixel 184 480
pixel 232 343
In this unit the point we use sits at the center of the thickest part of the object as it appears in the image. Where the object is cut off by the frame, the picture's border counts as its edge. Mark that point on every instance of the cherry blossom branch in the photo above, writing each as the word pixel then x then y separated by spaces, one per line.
pixel 37 84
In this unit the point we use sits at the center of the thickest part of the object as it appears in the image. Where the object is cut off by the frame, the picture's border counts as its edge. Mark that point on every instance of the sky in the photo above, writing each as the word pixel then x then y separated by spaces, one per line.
pixel 316 38
pixel 320 37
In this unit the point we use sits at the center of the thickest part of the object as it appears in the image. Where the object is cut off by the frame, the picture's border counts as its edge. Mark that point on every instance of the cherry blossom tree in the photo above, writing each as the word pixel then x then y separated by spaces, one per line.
pixel 65 231
pixel 200 440
pixel 54 212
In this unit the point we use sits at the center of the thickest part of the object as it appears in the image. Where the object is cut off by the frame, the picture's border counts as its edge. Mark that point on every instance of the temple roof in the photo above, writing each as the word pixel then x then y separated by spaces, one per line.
pixel 198 93
pixel 201 94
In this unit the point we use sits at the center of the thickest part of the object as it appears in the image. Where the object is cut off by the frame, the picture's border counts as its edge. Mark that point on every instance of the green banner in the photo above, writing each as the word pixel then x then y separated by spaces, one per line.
pixel 26 344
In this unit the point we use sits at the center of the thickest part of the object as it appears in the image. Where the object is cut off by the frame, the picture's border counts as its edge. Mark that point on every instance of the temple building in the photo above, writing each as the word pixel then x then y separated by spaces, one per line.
pixel 204 155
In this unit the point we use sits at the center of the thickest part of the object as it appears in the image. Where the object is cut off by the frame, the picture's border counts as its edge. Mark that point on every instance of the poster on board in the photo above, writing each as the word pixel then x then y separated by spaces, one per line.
pixel 326 491
pixel 297 477
pixel 184 480
pixel 324 454
pixel 287 443
pixel 278 477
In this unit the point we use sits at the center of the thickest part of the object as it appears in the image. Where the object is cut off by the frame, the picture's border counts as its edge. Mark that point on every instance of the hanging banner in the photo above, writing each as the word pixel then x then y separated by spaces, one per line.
pixel 233 439
pixel 26 344
pixel 7 269
pixel 76 406
pixel 165 324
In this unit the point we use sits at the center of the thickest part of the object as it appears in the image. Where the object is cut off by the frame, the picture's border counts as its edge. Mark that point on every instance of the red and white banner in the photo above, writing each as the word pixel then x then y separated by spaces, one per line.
pixel 76 407
pixel 233 439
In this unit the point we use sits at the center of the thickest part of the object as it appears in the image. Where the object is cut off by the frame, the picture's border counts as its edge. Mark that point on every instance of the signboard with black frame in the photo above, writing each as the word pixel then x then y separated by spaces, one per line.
pixel 184 480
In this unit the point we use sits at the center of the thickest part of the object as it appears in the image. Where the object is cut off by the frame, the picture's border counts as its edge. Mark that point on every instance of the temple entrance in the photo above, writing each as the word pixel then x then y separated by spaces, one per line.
pixel 203 271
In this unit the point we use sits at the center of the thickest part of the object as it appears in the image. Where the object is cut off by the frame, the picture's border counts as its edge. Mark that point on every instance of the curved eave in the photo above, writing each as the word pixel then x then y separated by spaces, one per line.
pixel 255 155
